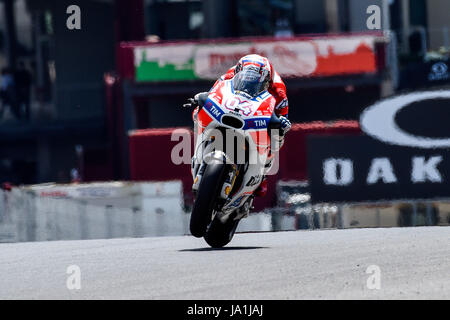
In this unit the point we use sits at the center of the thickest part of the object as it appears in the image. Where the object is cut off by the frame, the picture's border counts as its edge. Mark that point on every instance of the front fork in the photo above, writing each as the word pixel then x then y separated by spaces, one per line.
pixel 197 172
pixel 199 169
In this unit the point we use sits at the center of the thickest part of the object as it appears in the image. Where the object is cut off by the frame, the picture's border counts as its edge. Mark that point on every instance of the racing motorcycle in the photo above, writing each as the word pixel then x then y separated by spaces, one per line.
pixel 236 136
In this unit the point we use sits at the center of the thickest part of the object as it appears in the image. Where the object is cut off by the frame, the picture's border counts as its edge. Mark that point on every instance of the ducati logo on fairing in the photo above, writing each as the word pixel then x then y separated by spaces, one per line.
pixel 253 181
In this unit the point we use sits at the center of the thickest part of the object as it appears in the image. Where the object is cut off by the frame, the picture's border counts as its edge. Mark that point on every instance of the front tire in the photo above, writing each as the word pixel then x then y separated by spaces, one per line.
pixel 220 234
pixel 206 199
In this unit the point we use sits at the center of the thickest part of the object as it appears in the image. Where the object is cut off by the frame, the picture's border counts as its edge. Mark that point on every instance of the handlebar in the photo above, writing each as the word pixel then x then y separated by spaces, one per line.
pixel 201 98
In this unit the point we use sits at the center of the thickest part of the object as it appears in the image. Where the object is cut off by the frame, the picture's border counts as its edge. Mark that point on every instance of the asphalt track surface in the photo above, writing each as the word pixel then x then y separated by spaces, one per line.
pixel 328 264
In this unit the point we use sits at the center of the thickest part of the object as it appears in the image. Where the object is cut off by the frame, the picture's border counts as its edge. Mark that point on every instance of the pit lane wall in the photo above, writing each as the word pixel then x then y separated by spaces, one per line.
pixel 101 211
pixel 92 211
pixel 145 209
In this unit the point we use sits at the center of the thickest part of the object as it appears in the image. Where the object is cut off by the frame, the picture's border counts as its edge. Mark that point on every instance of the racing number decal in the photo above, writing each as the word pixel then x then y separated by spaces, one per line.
pixel 235 102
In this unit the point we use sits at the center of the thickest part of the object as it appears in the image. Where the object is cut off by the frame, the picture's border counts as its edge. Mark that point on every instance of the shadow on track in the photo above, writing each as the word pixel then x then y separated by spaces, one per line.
pixel 222 249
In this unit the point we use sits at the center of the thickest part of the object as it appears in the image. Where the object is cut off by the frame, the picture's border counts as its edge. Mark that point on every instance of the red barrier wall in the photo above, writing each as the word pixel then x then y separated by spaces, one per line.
pixel 150 156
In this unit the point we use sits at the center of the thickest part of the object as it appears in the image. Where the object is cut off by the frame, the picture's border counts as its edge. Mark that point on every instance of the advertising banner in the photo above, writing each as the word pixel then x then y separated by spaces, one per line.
pixel 294 57
pixel 425 74
pixel 84 191
pixel 359 169
pixel 405 153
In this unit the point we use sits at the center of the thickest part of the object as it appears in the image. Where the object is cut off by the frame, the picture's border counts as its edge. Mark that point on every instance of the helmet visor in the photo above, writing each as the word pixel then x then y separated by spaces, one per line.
pixel 250 81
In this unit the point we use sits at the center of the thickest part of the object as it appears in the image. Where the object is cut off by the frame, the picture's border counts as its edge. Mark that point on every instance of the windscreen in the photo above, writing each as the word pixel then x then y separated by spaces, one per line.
pixel 250 81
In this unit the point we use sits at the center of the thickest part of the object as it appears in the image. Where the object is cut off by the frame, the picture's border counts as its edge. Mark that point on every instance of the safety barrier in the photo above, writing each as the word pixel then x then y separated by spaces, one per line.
pixel 105 210
pixel 117 210
pixel 92 211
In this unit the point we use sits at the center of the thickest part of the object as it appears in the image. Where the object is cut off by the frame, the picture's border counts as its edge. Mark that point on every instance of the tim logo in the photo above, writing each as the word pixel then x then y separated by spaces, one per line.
pixel 257 124
pixel 215 111
pixel 260 123
pixel 212 109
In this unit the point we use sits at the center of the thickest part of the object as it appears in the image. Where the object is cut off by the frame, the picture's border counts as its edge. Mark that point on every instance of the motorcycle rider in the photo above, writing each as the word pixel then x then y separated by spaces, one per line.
pixel 276 88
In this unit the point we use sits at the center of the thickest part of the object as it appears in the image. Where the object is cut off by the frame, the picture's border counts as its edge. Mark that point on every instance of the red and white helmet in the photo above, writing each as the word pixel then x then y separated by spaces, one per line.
pixel 258 74
pixel 255 60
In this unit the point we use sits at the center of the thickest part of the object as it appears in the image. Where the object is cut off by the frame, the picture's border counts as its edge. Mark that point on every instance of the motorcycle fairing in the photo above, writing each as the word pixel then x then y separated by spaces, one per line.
pixel 255 113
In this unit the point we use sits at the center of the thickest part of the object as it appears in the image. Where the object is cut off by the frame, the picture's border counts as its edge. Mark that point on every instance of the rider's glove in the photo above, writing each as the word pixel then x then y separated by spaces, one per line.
pixel 285 124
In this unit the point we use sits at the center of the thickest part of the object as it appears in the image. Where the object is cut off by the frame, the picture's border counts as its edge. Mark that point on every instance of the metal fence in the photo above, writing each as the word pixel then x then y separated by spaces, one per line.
pixel 26 216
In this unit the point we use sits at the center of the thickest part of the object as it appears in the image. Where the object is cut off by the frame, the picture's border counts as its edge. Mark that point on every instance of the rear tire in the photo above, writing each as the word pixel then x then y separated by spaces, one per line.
pixel 207 196
pixel 220 234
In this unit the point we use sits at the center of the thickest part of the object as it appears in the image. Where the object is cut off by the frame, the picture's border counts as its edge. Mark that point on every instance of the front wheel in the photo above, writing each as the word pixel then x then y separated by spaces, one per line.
pixel 220 234
pixel 207 196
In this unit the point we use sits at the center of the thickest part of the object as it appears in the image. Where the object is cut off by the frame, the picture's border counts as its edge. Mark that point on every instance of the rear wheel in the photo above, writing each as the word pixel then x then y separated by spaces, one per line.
pixel 220 234
pixel 207 196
